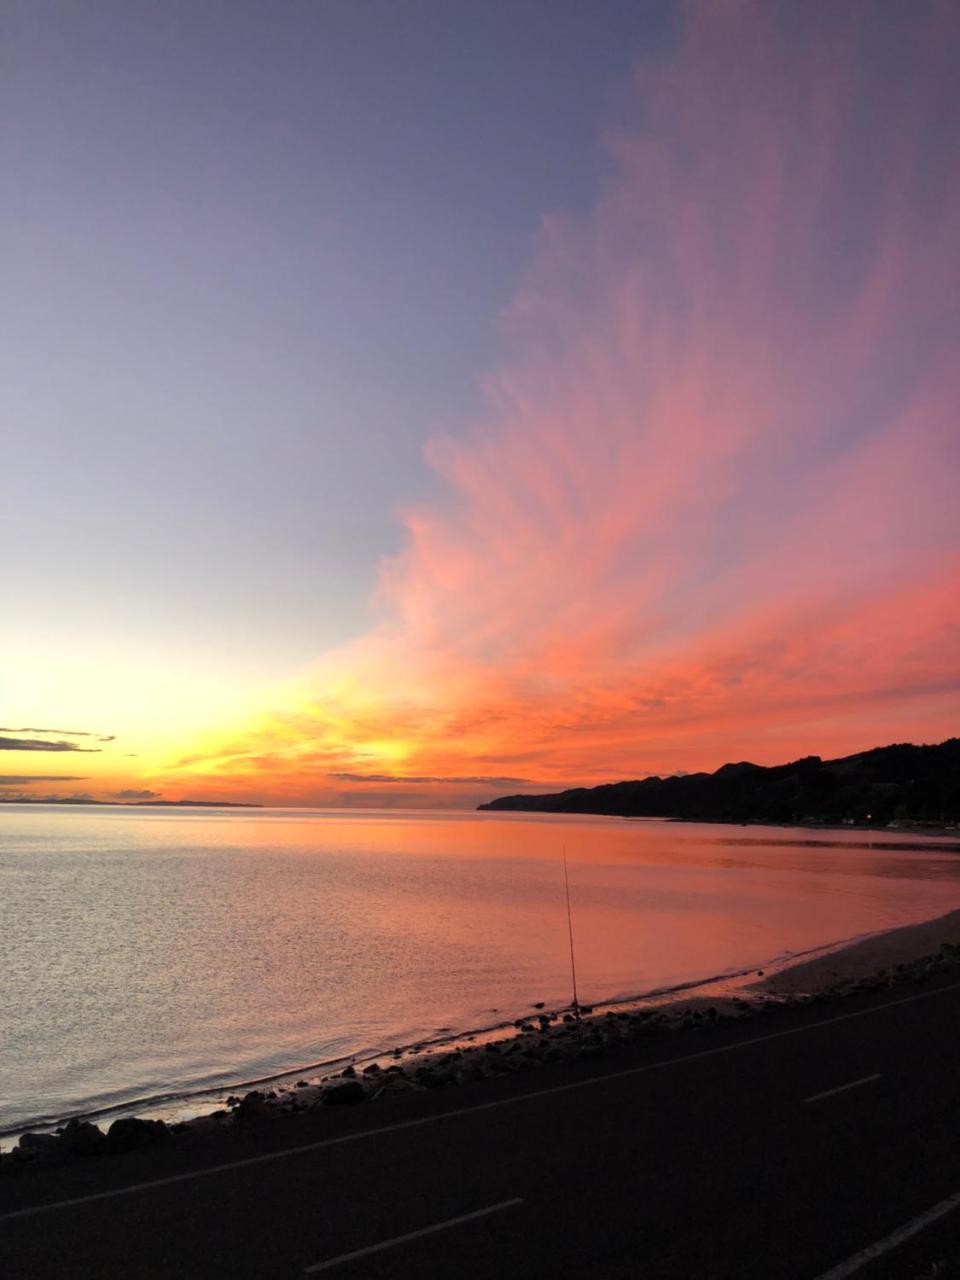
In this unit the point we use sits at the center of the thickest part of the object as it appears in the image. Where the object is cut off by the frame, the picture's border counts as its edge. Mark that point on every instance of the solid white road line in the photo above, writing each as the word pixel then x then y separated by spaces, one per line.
pixel 363 1134
pixel 874 1251
pixel 411 1235
pixel 842 1088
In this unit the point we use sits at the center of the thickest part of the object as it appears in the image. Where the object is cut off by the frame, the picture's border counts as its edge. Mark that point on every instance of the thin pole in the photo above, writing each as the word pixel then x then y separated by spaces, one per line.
pixel 573 963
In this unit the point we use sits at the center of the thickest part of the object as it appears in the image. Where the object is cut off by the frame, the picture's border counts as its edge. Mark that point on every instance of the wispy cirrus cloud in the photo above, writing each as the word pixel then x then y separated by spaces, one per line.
pixel 62 733
pixel 424 779
pixel 711 510
pixel 27 779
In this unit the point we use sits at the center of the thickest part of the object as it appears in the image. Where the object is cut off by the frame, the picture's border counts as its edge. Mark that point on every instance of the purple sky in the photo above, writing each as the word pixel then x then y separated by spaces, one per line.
pixel 254 257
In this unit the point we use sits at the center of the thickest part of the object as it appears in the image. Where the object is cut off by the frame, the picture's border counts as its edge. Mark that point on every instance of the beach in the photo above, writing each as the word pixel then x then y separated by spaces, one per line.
pixel 895 960
pixel 874 958
pixel 157 963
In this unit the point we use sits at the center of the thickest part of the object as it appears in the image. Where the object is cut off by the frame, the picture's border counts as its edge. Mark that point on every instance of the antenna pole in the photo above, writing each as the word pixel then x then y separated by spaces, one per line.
pixel 573 962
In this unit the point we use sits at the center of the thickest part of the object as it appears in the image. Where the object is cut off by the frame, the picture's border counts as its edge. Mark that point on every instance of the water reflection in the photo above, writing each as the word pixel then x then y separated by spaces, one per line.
pixel 145 952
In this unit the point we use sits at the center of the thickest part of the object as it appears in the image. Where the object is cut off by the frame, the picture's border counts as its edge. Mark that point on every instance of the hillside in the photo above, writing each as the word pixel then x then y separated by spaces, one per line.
pixel 900 783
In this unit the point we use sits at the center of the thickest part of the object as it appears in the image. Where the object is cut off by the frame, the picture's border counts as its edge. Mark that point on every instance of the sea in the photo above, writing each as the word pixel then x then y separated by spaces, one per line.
pixel 161 955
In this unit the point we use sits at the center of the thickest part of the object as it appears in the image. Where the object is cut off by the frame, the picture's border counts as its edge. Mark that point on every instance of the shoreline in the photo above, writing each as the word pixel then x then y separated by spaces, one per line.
pixel 906 953
pixel 189 1105
pixel 881 953
pixel 930 830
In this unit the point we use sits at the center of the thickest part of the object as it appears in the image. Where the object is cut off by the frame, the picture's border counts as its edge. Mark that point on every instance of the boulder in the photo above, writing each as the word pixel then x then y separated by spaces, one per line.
pixel 397 1084
pixel 129 1133
pixel 252 1106
pixel 82 1138
pixel 41 1144
pixel 470 1073
pixel 430 1078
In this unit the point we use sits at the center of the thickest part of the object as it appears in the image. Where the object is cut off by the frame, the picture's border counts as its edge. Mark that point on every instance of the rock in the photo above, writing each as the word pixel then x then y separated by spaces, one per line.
pixel 347 1094
pixel 497 1066
pixel 39 1144
pixel 470 1073
pixel 128 1133
pixel 206 1124
pixel 252 1106
pixel 372 1070
pixel 432 1079
pixel 540 1004
pixel 81 1138
pixel 349 1072
pixel 397 1084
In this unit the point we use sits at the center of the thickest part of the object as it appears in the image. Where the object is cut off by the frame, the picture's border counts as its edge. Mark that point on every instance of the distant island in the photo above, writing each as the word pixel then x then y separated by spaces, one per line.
pixel 134 804
pixel 888 786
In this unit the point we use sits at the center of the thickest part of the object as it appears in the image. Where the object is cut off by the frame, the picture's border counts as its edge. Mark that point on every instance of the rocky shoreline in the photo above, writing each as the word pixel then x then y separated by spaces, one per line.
pixel 901 957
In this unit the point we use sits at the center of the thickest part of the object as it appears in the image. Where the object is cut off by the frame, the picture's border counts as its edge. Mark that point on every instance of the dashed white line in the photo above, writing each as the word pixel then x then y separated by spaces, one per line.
pixel 874 1251
pixel 842 1088
pixel 412 1235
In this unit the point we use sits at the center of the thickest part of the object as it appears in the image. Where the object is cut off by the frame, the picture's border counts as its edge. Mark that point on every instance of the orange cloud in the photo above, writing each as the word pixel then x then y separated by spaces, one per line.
pixel 711 511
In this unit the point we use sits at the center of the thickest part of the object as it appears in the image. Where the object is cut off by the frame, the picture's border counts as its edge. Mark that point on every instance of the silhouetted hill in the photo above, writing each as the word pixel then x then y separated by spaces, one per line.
pixel 900 783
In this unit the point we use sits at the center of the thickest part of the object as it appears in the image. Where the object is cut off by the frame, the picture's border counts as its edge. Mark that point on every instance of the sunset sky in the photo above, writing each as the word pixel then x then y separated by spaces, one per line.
pixel 412 402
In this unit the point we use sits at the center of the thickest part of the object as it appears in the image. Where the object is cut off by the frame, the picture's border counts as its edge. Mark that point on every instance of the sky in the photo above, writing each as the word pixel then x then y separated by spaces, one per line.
pixel 406 403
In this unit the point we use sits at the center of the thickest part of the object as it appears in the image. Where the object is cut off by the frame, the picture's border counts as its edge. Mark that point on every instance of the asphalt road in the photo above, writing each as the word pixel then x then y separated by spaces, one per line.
pixel 785 1148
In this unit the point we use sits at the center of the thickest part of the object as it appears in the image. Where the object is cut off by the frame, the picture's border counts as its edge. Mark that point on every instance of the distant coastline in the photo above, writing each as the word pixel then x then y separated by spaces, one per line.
pixel 135 804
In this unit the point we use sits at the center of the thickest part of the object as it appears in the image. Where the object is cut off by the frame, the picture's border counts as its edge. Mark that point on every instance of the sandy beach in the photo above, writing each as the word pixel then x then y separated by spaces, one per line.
pixel 866 958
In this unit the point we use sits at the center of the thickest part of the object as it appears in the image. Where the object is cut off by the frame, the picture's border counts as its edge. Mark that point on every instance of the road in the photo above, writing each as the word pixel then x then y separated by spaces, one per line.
pixel 810 1144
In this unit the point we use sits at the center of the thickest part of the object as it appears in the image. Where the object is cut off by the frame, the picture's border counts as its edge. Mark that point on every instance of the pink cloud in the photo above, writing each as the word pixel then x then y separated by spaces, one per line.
pixel 711 511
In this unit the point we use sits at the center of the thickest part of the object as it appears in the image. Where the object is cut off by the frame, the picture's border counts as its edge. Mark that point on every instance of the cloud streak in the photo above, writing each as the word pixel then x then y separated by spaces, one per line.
pixel 37 744
pixel 26 779
pixel 62 733
pixel 426 780
pixel 711 510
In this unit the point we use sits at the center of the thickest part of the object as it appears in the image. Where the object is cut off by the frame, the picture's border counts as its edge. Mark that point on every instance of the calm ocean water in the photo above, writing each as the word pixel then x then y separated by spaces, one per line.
pixel 149 952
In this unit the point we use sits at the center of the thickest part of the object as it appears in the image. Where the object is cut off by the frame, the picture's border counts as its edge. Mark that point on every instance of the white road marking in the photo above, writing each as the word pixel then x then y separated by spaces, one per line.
pixel 842 1088
pixel 874 1251
pixel 411 1235
pixel 418 1123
